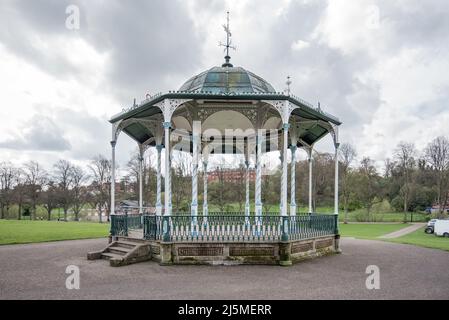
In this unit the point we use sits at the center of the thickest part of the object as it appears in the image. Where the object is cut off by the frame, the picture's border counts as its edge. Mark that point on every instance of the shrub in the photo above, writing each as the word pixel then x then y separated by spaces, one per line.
pixel 361 216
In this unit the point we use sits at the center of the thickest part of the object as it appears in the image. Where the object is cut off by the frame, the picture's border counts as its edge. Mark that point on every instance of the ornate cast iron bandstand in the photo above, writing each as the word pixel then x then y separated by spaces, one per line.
pixel 227 110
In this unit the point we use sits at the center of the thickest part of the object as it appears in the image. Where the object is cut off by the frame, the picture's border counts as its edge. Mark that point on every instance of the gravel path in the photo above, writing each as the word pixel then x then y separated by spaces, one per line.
pixel 37 271
pixel 403 232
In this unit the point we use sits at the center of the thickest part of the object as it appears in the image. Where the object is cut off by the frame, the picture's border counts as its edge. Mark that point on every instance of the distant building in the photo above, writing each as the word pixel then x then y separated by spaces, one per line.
pixel 231 175
pixel 436 209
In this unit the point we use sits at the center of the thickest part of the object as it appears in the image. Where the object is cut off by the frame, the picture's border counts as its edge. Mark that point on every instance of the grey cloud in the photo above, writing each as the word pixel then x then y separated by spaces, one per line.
pixel 149 41
pixel 91 135
pixel 416 23
pixel 28 25
pixel 40 133
pixel 319 72
pixel 72 134
pixel 153 45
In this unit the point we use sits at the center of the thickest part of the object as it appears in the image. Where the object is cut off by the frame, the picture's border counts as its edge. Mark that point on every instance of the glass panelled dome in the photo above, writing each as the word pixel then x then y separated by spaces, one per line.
pixel 227 80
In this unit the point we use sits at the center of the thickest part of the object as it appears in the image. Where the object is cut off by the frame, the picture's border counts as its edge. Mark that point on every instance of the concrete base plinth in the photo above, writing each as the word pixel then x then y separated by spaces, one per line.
pixel 337 244
pixel 285 263
pixel 235 253
pixel 165 254
pixel 285 252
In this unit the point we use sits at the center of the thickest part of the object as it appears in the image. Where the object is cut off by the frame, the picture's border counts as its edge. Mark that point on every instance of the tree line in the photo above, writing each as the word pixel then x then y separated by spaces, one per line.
pixel 409 181
pixel 67 186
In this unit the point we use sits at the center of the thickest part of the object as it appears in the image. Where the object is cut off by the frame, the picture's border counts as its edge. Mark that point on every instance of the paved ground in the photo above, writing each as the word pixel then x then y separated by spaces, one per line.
pixel 403 232
pixel 37 271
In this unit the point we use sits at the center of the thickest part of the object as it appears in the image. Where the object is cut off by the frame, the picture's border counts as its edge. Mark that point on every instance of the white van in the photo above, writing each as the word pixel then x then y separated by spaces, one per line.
pixel 442 228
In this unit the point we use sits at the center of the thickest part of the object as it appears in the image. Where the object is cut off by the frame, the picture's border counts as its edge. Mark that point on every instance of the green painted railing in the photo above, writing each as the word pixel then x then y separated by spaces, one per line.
pixel 152 227
pixel 134 221
pixel 121 223
pixel 312 226
pixel 232 228
pixel 238 228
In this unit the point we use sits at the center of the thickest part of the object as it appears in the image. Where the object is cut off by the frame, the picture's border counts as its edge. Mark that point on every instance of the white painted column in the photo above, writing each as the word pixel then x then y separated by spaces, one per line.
pixel 205 207
pixel 167 212
pixel 140 185
pixel 310 181
pixel 158 181
pixel 293 182
pixel 337 145
pixel 169 181
pixel 140 182
pixel 112 206
pixel 194 205
pixel 281 158
pixel 258 193
pixel 284 170
pixel 247 205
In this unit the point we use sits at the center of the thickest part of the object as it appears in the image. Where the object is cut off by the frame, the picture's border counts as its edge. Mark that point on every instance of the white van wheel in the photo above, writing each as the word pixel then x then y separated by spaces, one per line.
pixel 446 235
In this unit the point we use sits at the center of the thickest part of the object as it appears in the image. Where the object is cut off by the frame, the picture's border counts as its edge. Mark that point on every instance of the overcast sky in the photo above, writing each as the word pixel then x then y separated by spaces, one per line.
pixel 380 66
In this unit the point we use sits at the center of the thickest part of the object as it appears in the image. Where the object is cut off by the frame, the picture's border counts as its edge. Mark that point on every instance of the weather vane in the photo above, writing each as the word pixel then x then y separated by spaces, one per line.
pixel 228 44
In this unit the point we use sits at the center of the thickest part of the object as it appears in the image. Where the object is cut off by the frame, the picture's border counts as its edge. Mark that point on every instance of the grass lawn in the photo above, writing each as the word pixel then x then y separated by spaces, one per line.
pixel 368 231
pixel 14 231
pixel 422 239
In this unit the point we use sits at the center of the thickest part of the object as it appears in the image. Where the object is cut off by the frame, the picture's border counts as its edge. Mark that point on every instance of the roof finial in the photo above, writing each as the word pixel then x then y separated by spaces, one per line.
pixel 228 43
pixel 289 82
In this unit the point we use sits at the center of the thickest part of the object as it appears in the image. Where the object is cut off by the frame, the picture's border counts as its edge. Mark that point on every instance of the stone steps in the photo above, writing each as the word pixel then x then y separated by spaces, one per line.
pixel 123 251
pixel 110 255
pixel 120 250
pixel 127 244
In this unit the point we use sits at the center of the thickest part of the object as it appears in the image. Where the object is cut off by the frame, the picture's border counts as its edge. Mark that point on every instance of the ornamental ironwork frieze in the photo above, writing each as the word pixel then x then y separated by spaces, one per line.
pixel 284 107
pixel 169 106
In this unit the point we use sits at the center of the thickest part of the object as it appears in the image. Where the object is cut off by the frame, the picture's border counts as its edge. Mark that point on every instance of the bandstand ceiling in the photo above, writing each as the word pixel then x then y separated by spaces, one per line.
pixel 227 120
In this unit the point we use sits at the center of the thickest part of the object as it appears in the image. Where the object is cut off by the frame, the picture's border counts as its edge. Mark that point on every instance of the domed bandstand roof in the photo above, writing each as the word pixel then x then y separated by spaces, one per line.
pixel 227 80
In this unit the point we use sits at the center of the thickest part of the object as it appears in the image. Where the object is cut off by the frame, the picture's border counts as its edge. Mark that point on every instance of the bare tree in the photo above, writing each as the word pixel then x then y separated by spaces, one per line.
pixel 64 178
pixel 19 192
pixel 49 197
pixel 220 189
pixel 347 154
pixel 132 168
pixel 271 183
pixel 369 187
pixel 389 168
pixel 405 156
pixel 437 156
pixel 79 191
pixel 8 175
pixel 101 170
pixel 148 177
pixel 238 191
pixel 323 168
pixel 35 178
pixel 181 182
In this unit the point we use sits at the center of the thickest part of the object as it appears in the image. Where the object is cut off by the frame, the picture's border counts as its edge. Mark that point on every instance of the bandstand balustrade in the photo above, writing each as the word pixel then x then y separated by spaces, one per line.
pixel 226 227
